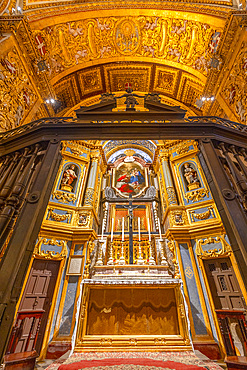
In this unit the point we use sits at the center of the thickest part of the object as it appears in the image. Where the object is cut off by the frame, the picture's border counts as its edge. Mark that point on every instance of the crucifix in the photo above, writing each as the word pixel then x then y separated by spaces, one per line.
pixel 130 208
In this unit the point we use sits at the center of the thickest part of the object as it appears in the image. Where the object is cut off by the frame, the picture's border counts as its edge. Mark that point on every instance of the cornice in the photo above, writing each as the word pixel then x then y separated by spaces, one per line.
pixel 50 9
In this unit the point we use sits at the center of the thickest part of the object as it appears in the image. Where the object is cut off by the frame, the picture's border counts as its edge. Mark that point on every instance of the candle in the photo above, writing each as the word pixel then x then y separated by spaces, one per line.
pixel 159 228
pixel 112 225
pixel 149 236
pixel 123 229
pixel 139 229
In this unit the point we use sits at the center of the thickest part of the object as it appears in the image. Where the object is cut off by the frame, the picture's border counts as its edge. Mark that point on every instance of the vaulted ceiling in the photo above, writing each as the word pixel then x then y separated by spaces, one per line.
pixel 74 52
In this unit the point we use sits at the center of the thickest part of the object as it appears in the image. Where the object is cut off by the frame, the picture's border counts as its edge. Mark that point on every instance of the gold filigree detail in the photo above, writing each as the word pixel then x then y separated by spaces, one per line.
pixel 89 196
pixel 224 251
pixel 196 195
pixel 189 272
pixel 64 196
pixel 39 253
pixel 57 217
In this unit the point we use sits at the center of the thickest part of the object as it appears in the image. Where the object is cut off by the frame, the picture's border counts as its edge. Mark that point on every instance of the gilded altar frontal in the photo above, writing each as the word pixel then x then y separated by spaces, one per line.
pixel 123 181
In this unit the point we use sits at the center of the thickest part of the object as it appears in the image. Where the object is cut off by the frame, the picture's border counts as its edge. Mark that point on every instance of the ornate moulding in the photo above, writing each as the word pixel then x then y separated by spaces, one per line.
pixel 224 249
pixel 64 197
pixel 59 217
pixel 39 253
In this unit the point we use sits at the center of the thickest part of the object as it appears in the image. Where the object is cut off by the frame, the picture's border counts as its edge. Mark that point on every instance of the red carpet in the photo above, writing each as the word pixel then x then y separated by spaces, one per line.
pixel 186 360
pixel 123 363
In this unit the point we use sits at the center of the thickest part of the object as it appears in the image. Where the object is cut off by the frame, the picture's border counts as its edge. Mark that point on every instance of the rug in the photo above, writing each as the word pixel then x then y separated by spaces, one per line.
pixel 186 360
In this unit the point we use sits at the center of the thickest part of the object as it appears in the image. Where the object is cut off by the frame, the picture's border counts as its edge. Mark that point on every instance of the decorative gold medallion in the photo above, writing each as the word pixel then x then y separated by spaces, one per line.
pixel 127 37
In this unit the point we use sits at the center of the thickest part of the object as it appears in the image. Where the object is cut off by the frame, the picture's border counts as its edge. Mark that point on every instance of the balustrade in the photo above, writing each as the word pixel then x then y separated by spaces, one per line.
pixel 25 331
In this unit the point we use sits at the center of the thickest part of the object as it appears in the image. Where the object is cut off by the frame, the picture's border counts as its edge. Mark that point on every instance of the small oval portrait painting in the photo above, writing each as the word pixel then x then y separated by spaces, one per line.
pixel 130 178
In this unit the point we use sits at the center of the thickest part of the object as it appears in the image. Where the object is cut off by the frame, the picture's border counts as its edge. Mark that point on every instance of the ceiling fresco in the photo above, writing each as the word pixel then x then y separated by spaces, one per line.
pixel 73 53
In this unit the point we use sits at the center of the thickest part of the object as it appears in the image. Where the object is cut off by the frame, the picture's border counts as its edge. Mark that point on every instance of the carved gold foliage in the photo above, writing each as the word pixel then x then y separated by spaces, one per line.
pixel 182 41
pixel 89 197
pixel 17 95
pixel 39 253
pixel 57 217
pixel 204 215
pixel 77 147
pixel 196 195
pixel 64 196
pixel 171 246
pixel 223 251
pixel 235 90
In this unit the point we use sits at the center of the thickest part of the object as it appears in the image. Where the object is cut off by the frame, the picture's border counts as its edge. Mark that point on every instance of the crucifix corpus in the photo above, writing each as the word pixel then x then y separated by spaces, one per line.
pixel 130 208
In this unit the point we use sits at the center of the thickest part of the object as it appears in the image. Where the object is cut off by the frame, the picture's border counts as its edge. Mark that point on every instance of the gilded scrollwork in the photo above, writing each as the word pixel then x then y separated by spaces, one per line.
pixel 17 95
pixel 202 216
pixel 64 197
pixel 59 217
pixel 77 148
pixel 223 250
pixel 196 195
pixel 48 254
pixel 235 92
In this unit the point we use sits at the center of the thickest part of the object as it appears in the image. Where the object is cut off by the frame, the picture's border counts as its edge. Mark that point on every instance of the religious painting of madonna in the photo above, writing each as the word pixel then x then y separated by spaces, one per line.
pixel 130 178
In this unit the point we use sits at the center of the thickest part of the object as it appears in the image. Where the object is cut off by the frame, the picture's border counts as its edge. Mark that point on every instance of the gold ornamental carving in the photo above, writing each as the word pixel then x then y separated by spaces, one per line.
pixel 234 92
pixel 51 255
pixel 57 217
pixel 64 196
pixel 83 219
pixel 223 250
pixel 17 94
pixel 202 216
pixel 172 248
pixel 178 218
pixel 196 195
pixel 181 41
pixel 77 148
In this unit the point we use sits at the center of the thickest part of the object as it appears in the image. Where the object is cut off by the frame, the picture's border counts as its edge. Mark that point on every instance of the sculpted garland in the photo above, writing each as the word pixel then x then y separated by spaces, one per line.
pixel 182 41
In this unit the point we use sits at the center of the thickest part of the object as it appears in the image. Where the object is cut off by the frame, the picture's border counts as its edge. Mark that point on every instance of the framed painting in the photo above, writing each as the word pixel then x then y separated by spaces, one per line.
pixel 130 178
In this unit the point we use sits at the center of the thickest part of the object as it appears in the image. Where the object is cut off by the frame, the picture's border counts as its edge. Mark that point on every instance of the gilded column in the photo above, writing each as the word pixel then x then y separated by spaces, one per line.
pixel 171 194
pixel 89 194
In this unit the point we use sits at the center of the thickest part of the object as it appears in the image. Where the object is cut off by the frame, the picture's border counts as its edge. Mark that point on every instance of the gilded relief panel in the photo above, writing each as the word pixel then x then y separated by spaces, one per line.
pixel 166 80
pixel 90 81
pixel 184 42
pixel 67 92
pixel 235 90
pixel 189 90
pixel 127 311
pixel 17 94
pixel 138 75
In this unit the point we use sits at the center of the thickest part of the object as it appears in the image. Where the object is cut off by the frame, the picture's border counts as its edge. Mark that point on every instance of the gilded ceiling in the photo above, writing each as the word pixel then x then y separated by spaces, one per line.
pixel 75 52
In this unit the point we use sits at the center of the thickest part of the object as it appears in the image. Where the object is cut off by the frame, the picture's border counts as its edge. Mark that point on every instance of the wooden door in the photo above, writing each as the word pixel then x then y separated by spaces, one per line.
pixel 38 295
pixel 223 284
